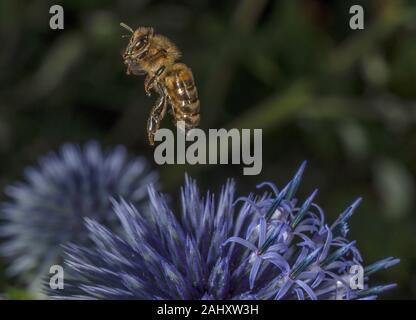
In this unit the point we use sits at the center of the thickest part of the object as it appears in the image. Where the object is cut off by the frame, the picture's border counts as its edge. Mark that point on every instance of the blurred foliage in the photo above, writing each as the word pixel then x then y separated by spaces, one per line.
pixel 342 99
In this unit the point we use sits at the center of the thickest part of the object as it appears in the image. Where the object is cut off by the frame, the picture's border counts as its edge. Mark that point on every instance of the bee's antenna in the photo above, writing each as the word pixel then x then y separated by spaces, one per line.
pixel 126 27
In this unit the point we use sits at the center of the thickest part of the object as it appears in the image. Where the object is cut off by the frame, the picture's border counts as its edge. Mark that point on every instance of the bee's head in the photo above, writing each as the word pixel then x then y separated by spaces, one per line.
pixel 139 41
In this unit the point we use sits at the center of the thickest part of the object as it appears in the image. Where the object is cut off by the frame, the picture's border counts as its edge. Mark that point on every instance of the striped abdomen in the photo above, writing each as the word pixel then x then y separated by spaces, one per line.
pixel 183 95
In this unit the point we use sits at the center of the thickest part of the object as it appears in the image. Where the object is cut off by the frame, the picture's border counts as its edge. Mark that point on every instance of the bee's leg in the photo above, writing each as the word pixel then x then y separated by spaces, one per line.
pixel 150 81
pixel 156 116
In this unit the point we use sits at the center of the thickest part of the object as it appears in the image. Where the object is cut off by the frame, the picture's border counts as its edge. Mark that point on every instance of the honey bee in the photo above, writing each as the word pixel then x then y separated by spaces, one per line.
pixel 156 57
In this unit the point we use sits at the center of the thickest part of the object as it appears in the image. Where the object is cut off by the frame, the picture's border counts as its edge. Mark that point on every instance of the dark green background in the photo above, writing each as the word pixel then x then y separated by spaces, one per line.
pixel 344 100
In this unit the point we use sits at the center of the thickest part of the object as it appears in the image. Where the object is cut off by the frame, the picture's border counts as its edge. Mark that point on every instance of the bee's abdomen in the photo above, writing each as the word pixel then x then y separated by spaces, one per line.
pixel 183 95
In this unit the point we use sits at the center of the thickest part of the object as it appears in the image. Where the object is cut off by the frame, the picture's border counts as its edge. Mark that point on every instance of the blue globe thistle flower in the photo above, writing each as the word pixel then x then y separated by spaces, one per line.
pixel 272 247
pixel 49 207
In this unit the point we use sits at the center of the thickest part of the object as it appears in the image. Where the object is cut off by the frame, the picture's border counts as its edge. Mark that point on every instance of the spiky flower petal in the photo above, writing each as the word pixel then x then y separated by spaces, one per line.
pixel 272 247
pixel 49 207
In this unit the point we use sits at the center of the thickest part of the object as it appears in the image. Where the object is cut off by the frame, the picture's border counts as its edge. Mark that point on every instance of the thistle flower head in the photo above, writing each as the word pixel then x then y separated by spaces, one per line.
pixel 268 247
pixel 48 208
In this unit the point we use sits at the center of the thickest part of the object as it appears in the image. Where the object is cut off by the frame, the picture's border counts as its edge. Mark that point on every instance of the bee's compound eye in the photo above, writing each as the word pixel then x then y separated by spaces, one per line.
pixel 142 42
